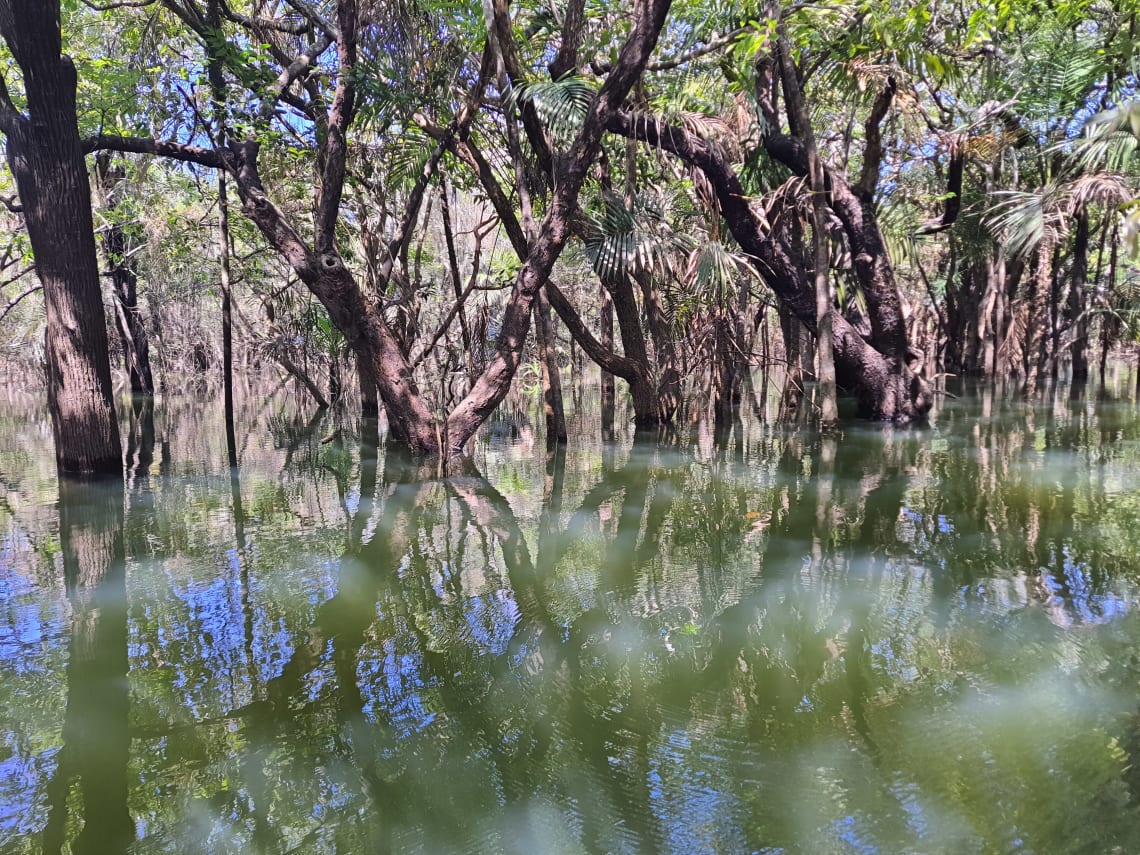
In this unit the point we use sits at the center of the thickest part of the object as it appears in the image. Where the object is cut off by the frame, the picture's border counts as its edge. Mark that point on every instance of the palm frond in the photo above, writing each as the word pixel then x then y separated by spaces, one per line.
pixel 1022 219
pixel 1110 139
pixel 713 270
pixel 561 104
pixel 621 242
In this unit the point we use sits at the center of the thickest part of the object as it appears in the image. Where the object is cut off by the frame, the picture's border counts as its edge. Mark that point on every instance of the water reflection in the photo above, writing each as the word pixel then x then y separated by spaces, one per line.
pixel 95 752
pixel 751 639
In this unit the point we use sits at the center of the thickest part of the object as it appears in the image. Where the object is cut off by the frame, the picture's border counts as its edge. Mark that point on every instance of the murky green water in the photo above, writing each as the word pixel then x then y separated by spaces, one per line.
pixel 894 641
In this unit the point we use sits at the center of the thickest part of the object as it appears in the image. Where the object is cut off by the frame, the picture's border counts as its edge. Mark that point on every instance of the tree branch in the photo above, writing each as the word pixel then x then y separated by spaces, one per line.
pixel 210 157
pixel 573 28
pixel 711 46
pixel 16 301
pixel 341 114
pixel 456 130
pixel 602 355
pixel 289 75
pixel 492 386
pixel 10 117
pixel 119 4
pixel 873 137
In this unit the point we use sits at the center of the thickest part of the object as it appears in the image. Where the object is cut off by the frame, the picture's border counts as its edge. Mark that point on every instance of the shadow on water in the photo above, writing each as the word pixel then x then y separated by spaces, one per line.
pixel 745 639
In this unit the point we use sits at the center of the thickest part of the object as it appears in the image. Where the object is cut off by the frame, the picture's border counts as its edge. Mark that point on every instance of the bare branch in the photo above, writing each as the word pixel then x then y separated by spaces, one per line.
pixel 259 23
pixel 11 305
pixel 118 4
pixel 161 148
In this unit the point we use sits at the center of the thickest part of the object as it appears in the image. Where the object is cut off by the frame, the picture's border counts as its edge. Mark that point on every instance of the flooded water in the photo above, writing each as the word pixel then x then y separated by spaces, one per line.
pixel 891 641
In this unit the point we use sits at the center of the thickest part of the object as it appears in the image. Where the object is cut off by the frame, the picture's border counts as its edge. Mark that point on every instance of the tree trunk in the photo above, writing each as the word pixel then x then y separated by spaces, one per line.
pixel 633 344
pixel 132 332
pixel 1078 307
pixel 793 391
pixel 124 282
pixel 369 402
pixel 551 376
pixel 893 392
pixel 664 350
pixel 607 321
pixel 1035 340
pixel 800 119
pixel 46 159
pixel 225 282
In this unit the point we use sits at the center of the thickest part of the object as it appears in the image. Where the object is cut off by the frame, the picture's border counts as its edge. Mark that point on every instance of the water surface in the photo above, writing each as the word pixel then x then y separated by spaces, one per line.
pixel 889 641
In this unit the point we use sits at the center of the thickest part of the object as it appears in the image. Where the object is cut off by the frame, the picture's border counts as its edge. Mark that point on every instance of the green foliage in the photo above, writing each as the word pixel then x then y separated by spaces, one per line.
pixel 560 104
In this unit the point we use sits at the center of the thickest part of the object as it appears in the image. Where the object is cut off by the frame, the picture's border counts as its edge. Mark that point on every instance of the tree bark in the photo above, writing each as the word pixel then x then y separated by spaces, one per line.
pixel 46 159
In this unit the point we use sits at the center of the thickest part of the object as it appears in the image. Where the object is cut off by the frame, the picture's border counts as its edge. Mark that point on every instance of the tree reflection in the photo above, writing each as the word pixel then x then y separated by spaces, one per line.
pixel 96 742
pixel 804 641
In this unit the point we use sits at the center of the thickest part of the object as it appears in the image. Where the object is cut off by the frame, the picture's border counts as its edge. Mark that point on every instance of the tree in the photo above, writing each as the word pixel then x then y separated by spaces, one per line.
pixel 46 159
pixel 319 263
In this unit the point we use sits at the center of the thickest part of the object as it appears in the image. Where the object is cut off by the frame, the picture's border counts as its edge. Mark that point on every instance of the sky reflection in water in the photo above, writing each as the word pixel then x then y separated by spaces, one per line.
pixel 895 641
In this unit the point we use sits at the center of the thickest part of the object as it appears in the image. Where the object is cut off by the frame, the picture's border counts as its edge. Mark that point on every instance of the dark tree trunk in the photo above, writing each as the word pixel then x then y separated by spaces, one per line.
pixel 607 322
pixel 128 319
pixel 793 390
pixel 800 119
pixel 124 283
pixel 1078 301
pixel 226 281
pixel 369 402
pixel 47 161
pixel 668 393
pixel 628 315
pixel 551 376
pixel 726 369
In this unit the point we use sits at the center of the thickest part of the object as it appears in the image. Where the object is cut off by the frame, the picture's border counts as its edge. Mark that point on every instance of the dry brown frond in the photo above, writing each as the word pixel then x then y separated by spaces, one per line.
pixel 1109 189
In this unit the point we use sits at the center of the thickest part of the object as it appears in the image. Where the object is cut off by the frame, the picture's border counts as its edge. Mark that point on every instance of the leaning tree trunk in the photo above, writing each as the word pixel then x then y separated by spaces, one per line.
pixel 47 162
